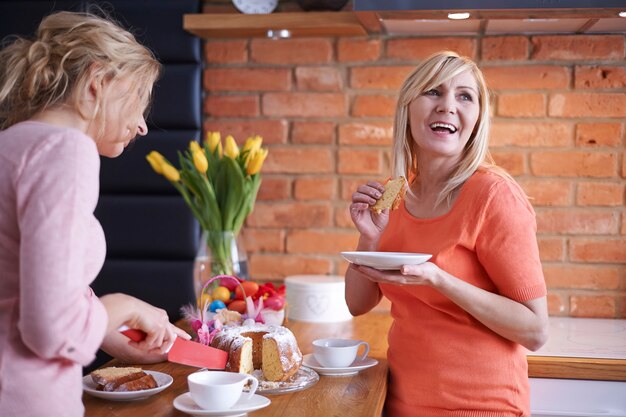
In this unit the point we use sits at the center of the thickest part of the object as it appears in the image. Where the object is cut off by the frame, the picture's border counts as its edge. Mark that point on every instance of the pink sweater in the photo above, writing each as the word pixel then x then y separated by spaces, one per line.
pixel 51 249
pixel 444 362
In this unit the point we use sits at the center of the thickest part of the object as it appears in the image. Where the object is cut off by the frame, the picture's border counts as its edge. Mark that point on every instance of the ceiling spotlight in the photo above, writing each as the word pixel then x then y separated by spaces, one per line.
pixel 458 16
pixel 622 14
pixel 279 34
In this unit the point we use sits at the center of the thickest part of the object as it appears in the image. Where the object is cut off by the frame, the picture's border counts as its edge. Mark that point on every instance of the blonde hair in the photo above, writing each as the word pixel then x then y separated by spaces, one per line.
pixel 68 50
pixel 432 72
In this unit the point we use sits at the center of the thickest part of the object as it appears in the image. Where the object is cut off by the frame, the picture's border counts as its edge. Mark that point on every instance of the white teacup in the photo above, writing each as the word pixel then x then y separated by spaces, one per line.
pixel 219 390
pixel 338 353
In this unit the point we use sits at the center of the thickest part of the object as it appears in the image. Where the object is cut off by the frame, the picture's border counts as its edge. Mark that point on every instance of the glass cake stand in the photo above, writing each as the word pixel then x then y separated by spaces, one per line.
pixel 301 380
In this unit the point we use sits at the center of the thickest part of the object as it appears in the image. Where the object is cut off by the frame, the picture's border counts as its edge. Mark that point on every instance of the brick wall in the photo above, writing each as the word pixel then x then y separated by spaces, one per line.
pixel 324 107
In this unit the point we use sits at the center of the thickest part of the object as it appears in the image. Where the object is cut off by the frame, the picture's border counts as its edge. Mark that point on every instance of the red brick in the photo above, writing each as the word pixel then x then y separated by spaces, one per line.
pixel 600 77
pixel 373 106
pixel 587 105
pixel 359 161
pixel 263 240
pixel 319 241
pixel 582 277
pixel 596 306
pixel 304 104
pixel 513 162
pixel 281 266
pixel 314 188
pixel 358 50
pixel 296 160
pixel 313 132
pixel 350 184
pixel 274 188
pixel 576 222
pixel 556 306
pixel 600 194
pixel 289 215
pixel 226 52
pixel 374 133
pixel 527 77
pixel 551 248
pixel 409 49
pixel 611 250
pixel 505 48
pixel 247 79
pixel 378 78
pixel 531 134
pixel 291 51
pixel 232 106
pixel 623 166
pixel 575 47
pixel 573 164
pixel 272 131
pixel 318 78
pixel 551 193
pixel 342 216
pixel 623 230
pixel 521 105
pixel 599 134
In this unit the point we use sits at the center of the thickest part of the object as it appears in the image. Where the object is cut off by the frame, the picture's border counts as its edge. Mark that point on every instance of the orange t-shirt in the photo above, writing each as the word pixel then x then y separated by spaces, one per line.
pixel 443 362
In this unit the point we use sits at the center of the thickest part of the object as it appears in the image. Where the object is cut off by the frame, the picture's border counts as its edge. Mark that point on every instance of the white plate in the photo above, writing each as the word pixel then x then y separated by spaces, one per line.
pixel 163 381
pixel 358 365
pixel 186 404
pixel 385 260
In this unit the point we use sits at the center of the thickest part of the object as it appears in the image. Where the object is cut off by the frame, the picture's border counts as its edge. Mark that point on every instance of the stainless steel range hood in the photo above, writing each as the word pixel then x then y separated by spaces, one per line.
pixel 492 17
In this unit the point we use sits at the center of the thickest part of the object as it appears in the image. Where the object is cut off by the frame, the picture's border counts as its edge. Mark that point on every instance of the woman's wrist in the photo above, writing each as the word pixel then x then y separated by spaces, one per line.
pixel 367 244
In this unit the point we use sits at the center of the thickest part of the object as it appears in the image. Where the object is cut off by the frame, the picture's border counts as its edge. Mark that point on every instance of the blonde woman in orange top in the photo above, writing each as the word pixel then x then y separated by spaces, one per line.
pixel 463 320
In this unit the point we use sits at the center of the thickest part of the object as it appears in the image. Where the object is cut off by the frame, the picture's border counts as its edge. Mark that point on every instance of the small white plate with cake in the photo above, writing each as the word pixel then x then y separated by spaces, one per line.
pixel 357 366
pixel 187 405
pixel 125 384
pixel 385 260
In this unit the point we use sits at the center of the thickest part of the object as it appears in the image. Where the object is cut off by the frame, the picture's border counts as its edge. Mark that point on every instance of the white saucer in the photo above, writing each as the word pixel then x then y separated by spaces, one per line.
pixel 186 404
pixel 385 260
pixel 163 381
pixel 358 365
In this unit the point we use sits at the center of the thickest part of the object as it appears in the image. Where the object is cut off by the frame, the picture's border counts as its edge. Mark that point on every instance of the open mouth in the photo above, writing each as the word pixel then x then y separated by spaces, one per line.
pixel 443 127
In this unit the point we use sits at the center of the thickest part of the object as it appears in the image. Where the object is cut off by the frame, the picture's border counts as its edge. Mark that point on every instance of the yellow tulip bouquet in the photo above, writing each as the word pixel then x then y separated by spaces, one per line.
pixel 219 186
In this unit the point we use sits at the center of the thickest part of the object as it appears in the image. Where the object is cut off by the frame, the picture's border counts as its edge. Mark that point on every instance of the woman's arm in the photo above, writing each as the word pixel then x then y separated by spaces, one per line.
pixel 362 295
pixel 137 314
pixel 525 323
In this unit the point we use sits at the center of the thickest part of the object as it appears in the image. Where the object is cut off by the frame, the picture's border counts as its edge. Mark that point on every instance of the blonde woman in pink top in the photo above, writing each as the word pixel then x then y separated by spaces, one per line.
pixel 464 319
pixel 76 91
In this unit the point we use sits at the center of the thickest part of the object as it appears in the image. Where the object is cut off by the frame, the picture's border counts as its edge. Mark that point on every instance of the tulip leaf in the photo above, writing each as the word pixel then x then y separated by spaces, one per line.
pixel 229 182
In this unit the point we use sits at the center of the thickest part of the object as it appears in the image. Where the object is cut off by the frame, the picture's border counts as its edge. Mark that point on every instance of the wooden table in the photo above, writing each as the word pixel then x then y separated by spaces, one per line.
pixel 362 394
pixel 358 395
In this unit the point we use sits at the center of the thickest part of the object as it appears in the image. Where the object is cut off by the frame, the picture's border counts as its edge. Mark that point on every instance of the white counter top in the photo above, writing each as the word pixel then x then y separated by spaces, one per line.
pixel 585 338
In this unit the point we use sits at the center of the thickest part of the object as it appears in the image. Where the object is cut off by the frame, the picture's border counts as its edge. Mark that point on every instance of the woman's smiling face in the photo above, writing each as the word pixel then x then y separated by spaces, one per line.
pixel 443 118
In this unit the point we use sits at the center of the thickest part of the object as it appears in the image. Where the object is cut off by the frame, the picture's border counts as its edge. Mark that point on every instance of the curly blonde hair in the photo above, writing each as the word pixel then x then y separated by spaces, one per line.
pixel 68 49
pixel 432 72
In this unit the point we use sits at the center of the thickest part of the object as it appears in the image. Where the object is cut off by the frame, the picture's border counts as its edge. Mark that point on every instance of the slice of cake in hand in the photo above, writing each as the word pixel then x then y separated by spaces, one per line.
pixel 395 190
pixel 122 379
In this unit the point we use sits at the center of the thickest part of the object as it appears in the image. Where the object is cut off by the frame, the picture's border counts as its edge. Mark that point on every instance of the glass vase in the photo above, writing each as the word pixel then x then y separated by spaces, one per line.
pixel 219 253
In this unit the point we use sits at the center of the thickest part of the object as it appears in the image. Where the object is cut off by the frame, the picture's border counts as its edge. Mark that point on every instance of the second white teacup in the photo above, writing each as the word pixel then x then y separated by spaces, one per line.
pixel 219 390
pixel 338 353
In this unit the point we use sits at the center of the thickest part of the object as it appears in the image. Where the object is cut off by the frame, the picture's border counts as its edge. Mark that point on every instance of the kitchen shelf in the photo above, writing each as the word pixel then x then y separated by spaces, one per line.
pixel 226 25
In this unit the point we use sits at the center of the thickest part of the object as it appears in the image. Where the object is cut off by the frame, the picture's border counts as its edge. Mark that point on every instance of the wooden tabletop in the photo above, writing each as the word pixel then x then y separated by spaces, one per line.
pixel 358 395
pixel 362 394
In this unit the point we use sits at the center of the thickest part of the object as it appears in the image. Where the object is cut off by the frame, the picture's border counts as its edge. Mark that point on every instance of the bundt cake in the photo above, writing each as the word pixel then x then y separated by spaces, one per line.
pixel 273 349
